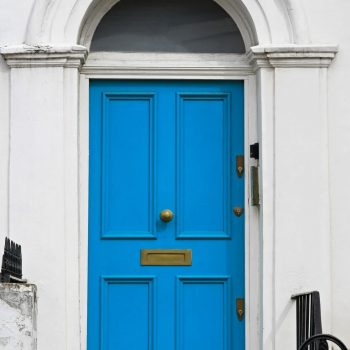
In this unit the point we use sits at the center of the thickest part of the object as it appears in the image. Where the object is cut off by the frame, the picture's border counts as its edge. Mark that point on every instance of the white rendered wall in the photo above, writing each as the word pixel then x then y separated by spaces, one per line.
pixel 308 171
pixel 329 22
pixel 13 23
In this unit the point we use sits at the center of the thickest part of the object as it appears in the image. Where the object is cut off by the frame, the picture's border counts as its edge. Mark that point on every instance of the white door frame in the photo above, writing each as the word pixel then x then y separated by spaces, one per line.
pixel 184 67
pixel 277 113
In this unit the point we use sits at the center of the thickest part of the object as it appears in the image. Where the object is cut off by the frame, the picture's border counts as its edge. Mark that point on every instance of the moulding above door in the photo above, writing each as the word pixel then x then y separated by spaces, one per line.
pixel 25 56
pixel 166 65
pixel 74 56
pixel 292 56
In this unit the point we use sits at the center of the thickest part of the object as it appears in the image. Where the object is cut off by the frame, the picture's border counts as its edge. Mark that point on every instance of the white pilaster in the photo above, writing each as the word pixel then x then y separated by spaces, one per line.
pixel 43 203
pixel 295 229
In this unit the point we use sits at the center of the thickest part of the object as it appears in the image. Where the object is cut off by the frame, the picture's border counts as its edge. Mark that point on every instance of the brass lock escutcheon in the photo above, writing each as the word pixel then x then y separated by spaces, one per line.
pixel 240 308
pixel 240 165
pixel 238 211
pixel 166 215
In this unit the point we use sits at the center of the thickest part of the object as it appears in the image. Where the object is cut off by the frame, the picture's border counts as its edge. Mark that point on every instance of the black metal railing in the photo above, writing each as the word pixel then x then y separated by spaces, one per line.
pixel 11 269
pixel 309 324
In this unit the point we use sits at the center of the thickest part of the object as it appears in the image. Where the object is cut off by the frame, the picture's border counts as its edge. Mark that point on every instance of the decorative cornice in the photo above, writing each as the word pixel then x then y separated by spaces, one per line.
pixel 74 56
pixel 292 56
pixel 30 56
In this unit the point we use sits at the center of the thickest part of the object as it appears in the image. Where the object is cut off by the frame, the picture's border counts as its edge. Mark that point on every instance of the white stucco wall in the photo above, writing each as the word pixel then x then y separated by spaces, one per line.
pixel 311 169
pixel 328 22
pixel 14 21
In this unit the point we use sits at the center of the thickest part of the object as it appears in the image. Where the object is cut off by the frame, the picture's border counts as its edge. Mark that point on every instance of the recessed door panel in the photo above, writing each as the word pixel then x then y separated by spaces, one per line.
pixel 166 251
pixel 127 304
pixel 203 313
pixel 127 165
pixel 203 147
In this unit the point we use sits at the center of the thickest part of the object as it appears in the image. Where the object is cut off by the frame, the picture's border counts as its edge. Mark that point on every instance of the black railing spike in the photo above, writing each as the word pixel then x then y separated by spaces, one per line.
pixel 11 270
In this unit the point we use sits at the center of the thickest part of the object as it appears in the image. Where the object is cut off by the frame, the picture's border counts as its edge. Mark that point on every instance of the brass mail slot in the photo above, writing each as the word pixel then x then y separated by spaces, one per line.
pixel 166 257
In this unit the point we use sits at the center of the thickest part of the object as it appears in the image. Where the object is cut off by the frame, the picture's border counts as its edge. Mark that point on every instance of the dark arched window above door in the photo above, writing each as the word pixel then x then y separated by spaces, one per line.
pixel 183 26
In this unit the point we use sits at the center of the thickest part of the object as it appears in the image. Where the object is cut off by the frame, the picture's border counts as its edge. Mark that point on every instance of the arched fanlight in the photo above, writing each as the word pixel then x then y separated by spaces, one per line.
pixel 193 26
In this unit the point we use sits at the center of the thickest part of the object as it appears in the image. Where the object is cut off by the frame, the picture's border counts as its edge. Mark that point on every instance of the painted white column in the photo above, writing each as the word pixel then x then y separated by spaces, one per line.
pixel 295 228
pixel 43 200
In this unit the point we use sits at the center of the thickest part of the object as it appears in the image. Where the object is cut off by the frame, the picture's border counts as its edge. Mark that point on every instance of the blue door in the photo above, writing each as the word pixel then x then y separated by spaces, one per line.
pixel 166 248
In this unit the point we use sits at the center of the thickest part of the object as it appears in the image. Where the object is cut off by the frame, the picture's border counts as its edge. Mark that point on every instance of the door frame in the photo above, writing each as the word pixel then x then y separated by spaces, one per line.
pixel 175 66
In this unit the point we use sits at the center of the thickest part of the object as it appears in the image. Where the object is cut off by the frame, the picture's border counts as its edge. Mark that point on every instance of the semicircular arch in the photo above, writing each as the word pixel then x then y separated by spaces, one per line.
pixel 239 14
pixel 67 22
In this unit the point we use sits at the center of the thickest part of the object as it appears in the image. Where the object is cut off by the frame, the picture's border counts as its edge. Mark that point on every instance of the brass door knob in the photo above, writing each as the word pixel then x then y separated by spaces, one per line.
pixel 166 215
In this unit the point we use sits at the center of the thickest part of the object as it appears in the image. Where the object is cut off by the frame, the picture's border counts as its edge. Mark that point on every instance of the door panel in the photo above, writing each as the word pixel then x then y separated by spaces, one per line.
pixel 119 317
pixel 127 165
pixel 203 131
pixel 158 145
pixel 203 313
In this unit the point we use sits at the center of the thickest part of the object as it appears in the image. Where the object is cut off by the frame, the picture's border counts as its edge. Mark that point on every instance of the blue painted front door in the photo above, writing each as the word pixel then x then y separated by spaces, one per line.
pixel 158 145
